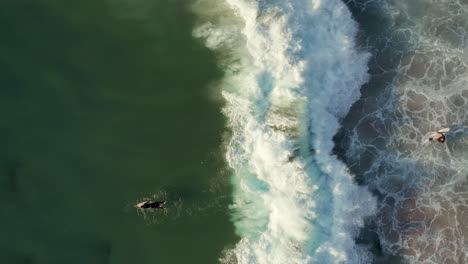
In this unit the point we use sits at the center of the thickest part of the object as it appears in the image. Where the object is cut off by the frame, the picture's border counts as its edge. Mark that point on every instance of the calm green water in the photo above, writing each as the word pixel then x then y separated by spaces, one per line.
pixel 103 103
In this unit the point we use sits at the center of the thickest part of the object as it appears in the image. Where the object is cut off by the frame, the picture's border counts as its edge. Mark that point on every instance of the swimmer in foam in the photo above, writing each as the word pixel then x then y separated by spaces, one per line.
pixel 439 135
pixel 151 205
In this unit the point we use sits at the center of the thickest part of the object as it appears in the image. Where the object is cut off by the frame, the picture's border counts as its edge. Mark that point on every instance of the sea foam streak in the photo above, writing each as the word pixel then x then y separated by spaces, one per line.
pixel 292 72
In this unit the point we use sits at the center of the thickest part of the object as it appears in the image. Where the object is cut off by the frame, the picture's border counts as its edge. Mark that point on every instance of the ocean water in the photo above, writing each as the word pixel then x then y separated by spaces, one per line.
pixel 330 104
pixel 104 104
pixel 280 131
pixel 418 85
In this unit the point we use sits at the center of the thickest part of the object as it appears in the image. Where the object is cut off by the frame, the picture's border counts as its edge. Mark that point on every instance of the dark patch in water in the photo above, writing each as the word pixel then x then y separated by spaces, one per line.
pixel 9 174
pixel 369 238
pixel 106 249
pixel 383 65
pixel 16 257
pixel 294 155
pixel 12 168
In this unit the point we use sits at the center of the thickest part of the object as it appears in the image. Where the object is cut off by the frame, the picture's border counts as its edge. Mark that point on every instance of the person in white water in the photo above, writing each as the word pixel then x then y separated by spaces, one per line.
pixel 439 135
pixel 151 205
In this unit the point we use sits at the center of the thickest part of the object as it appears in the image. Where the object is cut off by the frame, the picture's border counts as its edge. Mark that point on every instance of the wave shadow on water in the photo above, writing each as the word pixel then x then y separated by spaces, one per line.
pixel 382 72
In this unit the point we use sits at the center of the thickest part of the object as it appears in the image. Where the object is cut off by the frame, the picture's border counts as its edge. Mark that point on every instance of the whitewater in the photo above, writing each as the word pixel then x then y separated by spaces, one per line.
pixel 292 71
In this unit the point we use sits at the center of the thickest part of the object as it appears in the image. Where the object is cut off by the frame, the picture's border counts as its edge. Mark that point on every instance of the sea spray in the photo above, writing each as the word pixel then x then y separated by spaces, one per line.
pixel 292 71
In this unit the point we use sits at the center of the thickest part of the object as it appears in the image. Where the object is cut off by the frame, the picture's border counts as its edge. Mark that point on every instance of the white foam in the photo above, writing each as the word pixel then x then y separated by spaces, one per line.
pixel 422 184
pixel 292 71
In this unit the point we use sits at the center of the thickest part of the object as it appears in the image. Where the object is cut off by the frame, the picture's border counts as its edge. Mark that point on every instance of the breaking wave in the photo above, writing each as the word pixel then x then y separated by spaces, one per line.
pixel 292 72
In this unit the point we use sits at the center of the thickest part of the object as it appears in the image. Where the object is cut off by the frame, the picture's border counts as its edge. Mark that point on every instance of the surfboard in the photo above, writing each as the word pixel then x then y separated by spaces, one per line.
pixel 444 130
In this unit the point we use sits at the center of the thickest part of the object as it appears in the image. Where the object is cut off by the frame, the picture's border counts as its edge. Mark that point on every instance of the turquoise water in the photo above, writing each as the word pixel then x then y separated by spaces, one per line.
pixel 102 104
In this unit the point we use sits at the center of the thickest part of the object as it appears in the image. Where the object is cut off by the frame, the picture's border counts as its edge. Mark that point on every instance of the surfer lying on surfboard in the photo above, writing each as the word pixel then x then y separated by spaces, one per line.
pixel 151 205
pixel 439 135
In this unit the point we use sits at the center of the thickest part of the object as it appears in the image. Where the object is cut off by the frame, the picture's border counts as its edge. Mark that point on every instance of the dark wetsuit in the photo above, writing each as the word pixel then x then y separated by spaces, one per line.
pixel 159 205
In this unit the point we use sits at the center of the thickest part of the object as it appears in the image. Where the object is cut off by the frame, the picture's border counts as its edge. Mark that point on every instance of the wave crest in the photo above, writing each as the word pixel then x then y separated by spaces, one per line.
pixel 292 72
